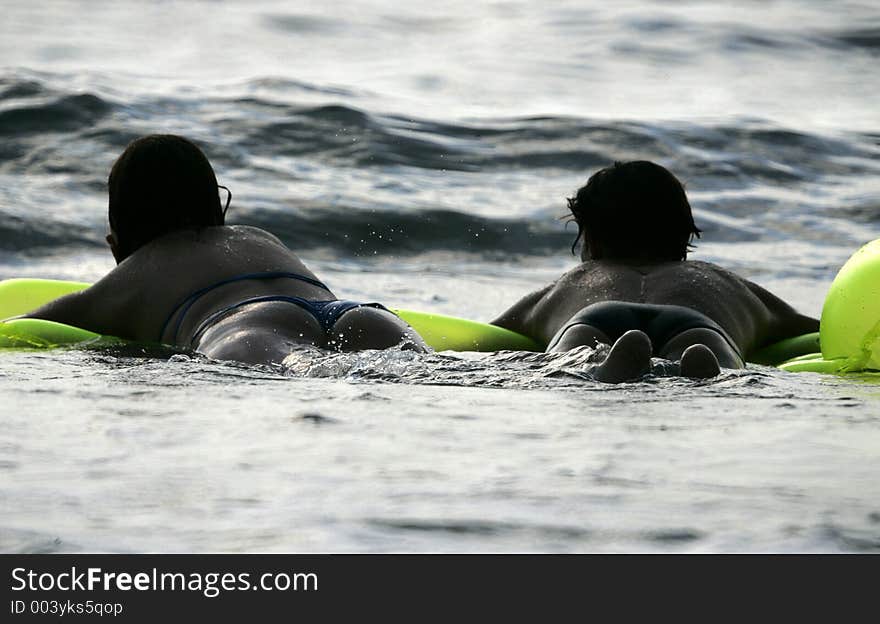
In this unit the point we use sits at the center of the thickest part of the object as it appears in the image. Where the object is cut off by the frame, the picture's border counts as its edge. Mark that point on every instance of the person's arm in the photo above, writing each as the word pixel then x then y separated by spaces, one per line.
pixel 785 321
pixel 72 309
pixel 87 309
pixel 517 318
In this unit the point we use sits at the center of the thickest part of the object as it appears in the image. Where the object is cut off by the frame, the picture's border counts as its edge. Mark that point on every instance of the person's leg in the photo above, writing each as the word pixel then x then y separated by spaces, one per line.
pixel 698 361
pixel 630 355
pixel 629 358
pixel 682 334
pixel 373 328
pixel 691 338
pixel 679 346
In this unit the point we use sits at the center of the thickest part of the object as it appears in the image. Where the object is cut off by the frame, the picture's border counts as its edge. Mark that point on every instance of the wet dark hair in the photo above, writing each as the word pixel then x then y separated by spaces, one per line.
pixel 160 183
pixel 635 210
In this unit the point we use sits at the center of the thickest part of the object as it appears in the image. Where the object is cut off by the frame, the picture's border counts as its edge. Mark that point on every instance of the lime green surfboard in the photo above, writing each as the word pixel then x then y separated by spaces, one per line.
pixel 440 332
pixel 19 296
pixel 449 333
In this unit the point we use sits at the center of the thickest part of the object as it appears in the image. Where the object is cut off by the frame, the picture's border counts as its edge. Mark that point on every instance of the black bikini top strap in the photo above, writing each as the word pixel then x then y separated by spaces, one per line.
pixel 183 307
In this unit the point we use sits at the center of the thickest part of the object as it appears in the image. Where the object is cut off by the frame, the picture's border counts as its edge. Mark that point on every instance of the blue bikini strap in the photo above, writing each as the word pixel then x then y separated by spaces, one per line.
pixel 184 306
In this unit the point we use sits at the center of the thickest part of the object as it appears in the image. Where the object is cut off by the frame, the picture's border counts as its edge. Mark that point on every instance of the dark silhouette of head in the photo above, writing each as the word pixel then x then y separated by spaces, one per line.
pixel 160 183
pixel 633 210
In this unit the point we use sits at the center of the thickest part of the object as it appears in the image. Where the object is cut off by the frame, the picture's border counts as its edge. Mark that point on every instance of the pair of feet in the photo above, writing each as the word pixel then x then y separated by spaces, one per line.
pixel 630 358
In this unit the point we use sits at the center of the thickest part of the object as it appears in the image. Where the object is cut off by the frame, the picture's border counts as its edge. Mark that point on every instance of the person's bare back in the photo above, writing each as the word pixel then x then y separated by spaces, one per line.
pixel 751 315
pixel 636 225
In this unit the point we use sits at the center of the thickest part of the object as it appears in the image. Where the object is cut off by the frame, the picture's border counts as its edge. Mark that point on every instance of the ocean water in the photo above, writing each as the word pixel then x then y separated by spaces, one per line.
pixel 420 154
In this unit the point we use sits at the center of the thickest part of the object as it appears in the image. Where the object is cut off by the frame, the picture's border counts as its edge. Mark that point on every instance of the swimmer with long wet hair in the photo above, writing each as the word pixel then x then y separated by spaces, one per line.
pixel 635 290
pixel 186 279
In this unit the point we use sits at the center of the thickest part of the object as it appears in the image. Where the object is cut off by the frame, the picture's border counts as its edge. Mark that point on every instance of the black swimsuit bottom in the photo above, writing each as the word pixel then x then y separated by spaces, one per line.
pixel 661 323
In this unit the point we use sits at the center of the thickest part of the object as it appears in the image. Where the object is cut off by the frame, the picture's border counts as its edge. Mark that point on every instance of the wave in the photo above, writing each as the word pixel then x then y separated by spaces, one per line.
pixel 421 184
pixel 350 232
pixel 347 232
pixel 343 135
pixel 36 236
pixel 67 113
pixel 864 38
pixel 361 233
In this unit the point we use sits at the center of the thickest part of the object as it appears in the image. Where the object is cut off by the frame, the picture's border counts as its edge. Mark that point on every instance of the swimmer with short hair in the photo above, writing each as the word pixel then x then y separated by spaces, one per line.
pixel 186 279
pixel 635 290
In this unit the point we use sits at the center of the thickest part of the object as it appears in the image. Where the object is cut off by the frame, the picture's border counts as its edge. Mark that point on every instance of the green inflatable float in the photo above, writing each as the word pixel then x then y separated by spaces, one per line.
pixel 848 340
pixel 849 330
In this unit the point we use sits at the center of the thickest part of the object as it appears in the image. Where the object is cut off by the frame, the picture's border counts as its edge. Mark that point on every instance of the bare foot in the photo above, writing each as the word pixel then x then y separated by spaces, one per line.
pixel 699 362
pixel 629 358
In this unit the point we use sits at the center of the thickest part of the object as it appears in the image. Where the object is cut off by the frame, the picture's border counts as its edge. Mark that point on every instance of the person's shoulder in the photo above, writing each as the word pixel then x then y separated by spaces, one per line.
pixel 708 269
pixel 252 232
pixel 600 274
pixel 586 267
pixel 574 277
pixel 749 290
pixel 214 235
pixel 702 265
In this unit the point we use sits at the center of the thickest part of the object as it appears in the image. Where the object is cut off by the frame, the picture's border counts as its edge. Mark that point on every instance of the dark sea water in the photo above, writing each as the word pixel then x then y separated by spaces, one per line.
pixel 420 154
